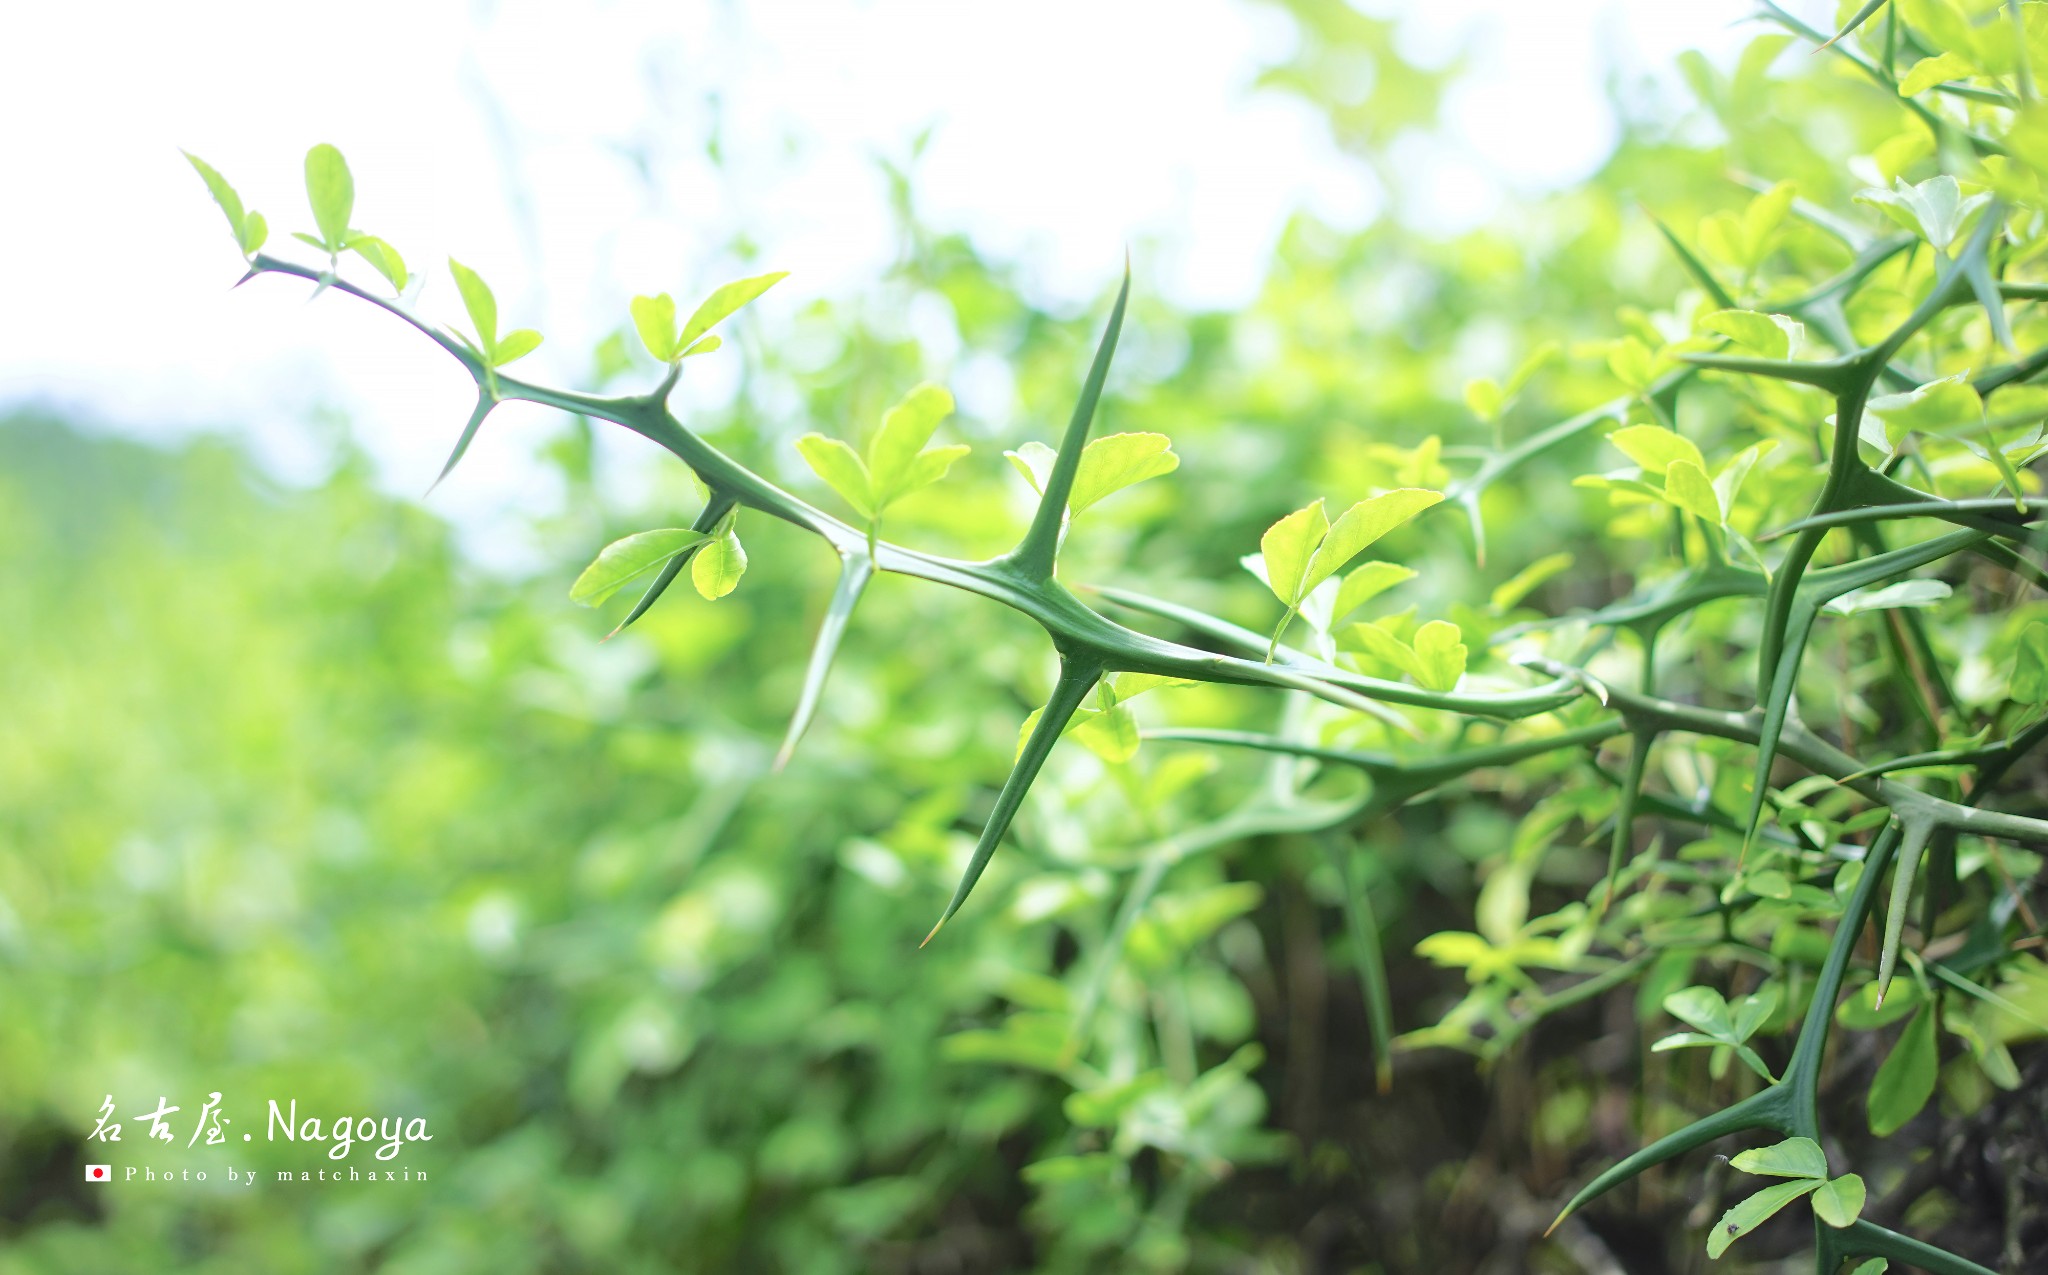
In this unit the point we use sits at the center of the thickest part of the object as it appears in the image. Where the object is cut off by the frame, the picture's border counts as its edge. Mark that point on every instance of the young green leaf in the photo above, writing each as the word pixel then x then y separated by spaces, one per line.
pixel 1934 209
pixel 515 345
pixel 1287 547
pixel 842 469
pixel 893 459
pixel 1937 407
pixel 2029 684
pixel 1108 465
pixel 1362 524
pixel 1655 448
pixel 1510 592
pixel 1772 335
pixel 1704 1008
pixel 1486 398
pixel 1840 1202
pixel 1754 1212
pixel 481 304
pixel 622 561
pixel 1905 1080
pixel 723 302
pixel 248 227
pixel 383 258
pixel 1686 485
pixel 1111 734
pixel 1365 582
pixel 1928 72
pixel 1792 1158
pixel 332 192
pixel 1439 656
pixel 717 568
pixel 654 318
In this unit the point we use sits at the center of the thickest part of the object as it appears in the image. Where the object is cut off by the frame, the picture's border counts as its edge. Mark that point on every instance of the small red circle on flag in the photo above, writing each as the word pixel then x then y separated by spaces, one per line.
pixel 99 1173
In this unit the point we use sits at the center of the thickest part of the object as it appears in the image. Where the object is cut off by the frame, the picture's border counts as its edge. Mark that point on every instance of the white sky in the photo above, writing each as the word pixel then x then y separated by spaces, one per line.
pixel 506 134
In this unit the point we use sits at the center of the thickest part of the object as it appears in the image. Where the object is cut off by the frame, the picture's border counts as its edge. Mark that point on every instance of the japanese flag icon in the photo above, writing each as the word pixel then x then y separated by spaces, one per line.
pixel 99 1173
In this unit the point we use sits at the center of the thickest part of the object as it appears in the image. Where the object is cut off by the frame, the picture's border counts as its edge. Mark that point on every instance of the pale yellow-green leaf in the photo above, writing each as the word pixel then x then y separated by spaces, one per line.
pixel 1767 334
pixel 1110 464
pixel 623 560
pixel 1792 1158
pixel 1686 485
pixel 1383 646
pixel 1928 72
pixel 1357 527
pixel 1754 1212
pixel 515 345
pixel 1034 460
pixel 1524 582
pixel 1126 686
pixel 842 469
pixel 654 318
pixel 1111 734
pixel 1840 1202
pixel 332 192
pixel 478 300
pixel 703 345
pixel 1934 408
pixel 1439 656
pixel 2029 683
pixel 718 566
pixel 1654 448
pixel 383 258
pixel 1365 582
pixel 723 302
pixel 1287 546
pixel 1633 364
pixel 905 430
pixel 1535 362
pixel 1486 398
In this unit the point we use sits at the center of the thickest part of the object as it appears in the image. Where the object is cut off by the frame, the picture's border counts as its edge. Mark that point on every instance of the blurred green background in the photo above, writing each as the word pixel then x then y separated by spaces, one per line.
pixel 298 801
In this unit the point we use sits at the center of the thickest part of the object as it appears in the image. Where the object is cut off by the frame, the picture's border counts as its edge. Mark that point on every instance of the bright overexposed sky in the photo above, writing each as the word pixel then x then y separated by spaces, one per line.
pixel 560 150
